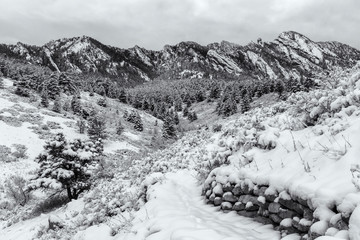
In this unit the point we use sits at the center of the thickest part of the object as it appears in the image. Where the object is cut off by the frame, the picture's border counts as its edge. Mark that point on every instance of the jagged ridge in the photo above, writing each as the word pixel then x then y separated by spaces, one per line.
pixel 290 55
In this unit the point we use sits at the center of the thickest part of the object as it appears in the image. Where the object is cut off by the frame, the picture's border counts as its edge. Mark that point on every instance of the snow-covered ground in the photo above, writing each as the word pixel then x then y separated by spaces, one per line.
pixel 176 211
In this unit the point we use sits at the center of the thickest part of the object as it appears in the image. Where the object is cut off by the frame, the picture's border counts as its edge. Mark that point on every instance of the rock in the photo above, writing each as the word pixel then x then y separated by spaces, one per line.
pixel 285 213
pixel 247 187
pixel 218 201
pixel 229 197
pixel 302 225
pixel 228 187
pixel 274 207
pixel 218 190
pixel 260 191
pixel 270 194
pixel 331 231
pixel 263 212
pixel 263 220
pixel 208 193
pixel 337 222
pixel 237 191
pixel 251 207
pixel 226 206
pixel 300 200
pixel 275 218
pixel 250 214
pixel 308 214
pixel 238 206
pixel 212 197
pixel 318 229
pixel 248 198
pixel 262 202
pixel 290 204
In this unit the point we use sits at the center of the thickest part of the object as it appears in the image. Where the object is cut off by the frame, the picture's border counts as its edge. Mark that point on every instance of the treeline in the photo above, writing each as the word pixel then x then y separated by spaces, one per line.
pixel 162 99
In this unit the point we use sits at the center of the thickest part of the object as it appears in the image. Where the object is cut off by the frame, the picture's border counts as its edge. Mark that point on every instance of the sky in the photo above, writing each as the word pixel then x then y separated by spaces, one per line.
pixel 155 23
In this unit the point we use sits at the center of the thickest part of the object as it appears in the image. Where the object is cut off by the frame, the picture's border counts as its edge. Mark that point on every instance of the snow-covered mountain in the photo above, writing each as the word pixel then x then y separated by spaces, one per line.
pixel 290 55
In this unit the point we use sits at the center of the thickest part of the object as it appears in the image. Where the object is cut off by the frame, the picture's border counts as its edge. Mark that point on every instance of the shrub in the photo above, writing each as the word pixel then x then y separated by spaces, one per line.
pixel 5 154
pixel 20 151
pixel 15 190
pixel 216 127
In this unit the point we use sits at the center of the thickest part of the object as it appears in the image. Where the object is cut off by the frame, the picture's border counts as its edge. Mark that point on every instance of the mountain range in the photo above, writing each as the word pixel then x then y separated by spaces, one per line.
pixel 290 55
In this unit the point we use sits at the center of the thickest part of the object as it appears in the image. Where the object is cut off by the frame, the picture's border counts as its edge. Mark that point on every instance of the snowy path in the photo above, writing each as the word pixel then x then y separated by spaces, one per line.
pixel 176 211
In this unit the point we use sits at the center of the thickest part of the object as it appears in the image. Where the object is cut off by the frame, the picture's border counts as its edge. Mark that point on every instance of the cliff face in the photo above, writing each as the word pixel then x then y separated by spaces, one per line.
pixel 290 55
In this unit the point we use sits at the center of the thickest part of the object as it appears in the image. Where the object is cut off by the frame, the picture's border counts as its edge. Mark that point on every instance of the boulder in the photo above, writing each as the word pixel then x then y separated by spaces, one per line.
pixel 285 213
pixel 274 207
pixel 228 187
pixel 250 214
pixel 218 201
pixel 237 191
pixel 260 191
pixel 226 206
pixel 290 204
pixel 229 197
pixel 238 206
pixel 275 218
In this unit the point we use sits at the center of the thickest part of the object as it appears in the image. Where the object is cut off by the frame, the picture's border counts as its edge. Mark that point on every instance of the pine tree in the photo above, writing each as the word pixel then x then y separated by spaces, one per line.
pixel 279 87
pixel 66 106
pixel 52 86
pixel 245 104
pixel 176 118
pixel 96 126
pixel 44 99
pixel 81 125
pixel 76 105
pixel 168 129
pixel 67 166
pixel 57 105
pixel 138 124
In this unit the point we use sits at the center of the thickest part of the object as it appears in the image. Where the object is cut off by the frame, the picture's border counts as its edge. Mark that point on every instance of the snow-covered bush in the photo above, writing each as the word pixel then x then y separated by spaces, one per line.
pixel 20 151
pixel 15 190
pixel 67 166
pixel 5 154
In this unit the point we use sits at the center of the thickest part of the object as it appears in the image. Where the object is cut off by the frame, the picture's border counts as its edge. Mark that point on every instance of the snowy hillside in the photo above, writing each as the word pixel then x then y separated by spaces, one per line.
pixel 287 168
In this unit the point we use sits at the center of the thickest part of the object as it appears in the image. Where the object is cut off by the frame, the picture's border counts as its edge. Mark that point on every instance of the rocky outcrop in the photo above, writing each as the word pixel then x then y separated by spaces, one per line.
pixel 288 214
pixel 290 55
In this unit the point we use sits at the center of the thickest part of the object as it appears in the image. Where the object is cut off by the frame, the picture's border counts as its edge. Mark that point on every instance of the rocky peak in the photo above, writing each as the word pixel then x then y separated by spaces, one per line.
pixel 290 55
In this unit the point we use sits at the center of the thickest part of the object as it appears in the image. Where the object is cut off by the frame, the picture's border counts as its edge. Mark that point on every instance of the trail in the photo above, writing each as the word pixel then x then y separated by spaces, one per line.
pixel 176 211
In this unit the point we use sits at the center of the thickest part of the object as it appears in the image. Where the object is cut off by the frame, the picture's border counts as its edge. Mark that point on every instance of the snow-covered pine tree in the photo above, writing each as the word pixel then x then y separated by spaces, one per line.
pixel 245 104
pixel 67 165
pixel 96 126
pixel 52 86
pixel 76 105
pixel 81 125
pixel 57 105
pixel 168 129
pixel 176 118
pixel 44 99
pixel 122 96
pixel 138 124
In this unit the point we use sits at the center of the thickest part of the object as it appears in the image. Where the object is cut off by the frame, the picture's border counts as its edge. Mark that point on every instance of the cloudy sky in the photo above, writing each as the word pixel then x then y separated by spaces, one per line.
pixel 154 23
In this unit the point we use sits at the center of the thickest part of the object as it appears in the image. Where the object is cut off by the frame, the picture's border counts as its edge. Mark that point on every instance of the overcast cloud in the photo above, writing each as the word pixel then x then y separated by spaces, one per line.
pixel 154 23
